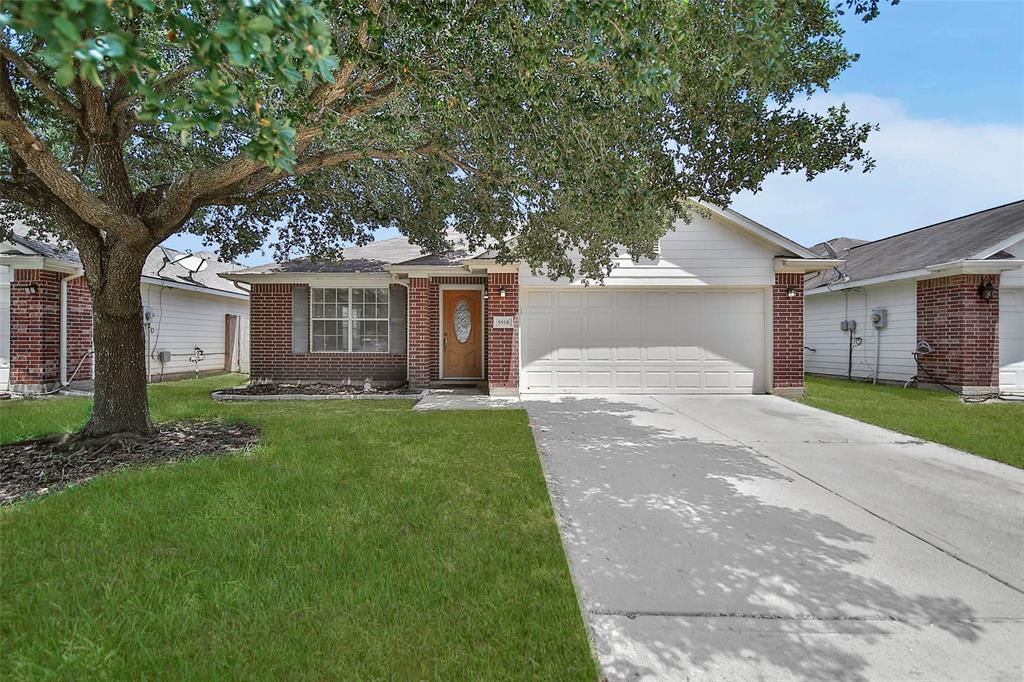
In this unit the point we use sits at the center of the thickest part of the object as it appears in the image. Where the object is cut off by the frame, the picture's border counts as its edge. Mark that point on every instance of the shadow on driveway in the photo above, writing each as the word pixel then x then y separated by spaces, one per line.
pixel 694 556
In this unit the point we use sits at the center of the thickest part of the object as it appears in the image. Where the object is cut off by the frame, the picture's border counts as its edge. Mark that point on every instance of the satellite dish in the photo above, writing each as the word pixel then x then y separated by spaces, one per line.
pixel 187 261
pixel 191 262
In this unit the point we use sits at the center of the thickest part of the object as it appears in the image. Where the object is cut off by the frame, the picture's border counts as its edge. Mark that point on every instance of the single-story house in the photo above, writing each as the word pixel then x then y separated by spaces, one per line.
pixel 939 304
pixel 195 320
pixel 720 310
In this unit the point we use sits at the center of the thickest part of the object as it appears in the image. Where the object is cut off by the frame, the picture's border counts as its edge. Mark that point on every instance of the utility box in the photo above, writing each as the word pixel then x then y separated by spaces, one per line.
pixel 164 356
pixel 848 325
pixel 879 318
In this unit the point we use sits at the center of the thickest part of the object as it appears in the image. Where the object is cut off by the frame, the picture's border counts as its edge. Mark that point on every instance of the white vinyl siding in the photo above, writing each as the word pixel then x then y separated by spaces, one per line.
pixel 182 320
pixel 1011 340
pixel 349 320
pixel 603 340
pixel 824 312
pixel 705 252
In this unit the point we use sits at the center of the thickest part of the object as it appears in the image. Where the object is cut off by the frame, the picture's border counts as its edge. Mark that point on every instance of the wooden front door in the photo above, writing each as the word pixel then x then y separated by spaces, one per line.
pixel 462 332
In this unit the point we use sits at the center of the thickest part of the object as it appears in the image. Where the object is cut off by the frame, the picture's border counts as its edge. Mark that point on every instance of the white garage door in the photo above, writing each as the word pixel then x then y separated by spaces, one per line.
pixel 1011 340
pixel 643 341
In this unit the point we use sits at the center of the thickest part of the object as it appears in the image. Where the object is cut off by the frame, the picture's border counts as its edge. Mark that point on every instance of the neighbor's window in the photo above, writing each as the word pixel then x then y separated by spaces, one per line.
pixel 349 320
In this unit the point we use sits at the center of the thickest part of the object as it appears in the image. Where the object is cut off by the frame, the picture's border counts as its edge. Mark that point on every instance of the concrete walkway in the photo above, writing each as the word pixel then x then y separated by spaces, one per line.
pixel 753 538
pixel 465 399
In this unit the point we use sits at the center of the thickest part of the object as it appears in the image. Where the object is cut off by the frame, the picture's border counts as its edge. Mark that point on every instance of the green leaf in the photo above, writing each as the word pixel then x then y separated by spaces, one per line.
pixel 67 29
pixel 261 24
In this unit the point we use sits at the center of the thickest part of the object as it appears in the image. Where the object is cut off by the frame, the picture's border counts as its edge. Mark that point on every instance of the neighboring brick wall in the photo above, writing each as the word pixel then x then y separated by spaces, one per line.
pixel 962 328
pixel 79 329
pixel 35 328
pixel 270 342
pixel 788 333
pixel 502 344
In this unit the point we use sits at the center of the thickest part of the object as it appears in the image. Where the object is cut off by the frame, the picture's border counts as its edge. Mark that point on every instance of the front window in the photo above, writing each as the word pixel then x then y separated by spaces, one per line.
pixel 349 320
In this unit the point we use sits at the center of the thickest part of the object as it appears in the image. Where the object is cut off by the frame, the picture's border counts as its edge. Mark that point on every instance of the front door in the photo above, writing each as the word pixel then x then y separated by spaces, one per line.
pixel 461 350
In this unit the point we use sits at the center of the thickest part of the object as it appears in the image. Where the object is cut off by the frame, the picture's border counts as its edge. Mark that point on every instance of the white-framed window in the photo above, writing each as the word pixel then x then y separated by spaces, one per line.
pixel 349 320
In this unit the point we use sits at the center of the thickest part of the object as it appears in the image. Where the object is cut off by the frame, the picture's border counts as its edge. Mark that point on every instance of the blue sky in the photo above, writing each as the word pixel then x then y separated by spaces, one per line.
pixel 945 81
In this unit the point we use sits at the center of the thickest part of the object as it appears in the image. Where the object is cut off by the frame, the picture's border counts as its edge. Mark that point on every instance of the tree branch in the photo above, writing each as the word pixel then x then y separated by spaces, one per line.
pixel 57 179
pixel 45 89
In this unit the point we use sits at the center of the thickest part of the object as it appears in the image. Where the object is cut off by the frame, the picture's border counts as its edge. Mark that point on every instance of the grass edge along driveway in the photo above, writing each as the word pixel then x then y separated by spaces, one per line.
pixel 361 540
pixel 993 430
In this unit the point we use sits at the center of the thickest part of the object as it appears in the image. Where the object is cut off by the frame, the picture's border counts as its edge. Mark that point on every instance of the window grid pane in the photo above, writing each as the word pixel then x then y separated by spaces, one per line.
pixel 350 320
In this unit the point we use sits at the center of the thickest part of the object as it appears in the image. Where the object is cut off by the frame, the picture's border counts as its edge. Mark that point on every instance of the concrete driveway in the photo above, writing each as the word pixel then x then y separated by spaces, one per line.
pixel 736 538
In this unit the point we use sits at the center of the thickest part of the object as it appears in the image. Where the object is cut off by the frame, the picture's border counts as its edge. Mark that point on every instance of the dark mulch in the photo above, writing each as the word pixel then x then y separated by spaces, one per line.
pixel 36 467
pixel 312 389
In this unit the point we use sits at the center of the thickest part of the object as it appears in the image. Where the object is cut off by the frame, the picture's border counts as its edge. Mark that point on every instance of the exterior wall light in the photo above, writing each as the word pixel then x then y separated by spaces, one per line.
pixel 986 291
pixel 31 289
pixel 501 292
pixel 791 292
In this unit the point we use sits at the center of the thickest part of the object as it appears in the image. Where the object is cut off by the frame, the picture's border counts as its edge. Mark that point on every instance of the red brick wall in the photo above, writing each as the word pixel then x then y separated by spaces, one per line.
pixel 79 329
pixel 270 342
pixel 425 326
pixel 502 344
pixel 962 328
pixel 788 332
pixel 35 328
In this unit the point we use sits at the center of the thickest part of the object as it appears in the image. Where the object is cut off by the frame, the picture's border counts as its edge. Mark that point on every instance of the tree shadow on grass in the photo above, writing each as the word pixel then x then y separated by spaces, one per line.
pixel 660 525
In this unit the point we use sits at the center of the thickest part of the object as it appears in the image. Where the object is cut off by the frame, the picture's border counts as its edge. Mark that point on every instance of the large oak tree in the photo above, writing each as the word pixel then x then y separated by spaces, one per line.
pixel 538 127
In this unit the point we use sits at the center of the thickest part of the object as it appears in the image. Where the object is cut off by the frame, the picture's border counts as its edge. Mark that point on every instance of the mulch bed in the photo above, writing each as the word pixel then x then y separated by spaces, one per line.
pixel 312 389
pixel 36 467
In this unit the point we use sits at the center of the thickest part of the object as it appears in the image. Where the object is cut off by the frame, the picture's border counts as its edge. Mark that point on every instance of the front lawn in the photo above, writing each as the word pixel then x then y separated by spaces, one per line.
pixel 361 540
pixel 993 430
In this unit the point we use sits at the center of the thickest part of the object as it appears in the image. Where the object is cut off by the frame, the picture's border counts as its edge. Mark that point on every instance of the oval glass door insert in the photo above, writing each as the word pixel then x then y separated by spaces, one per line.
pixel 463 321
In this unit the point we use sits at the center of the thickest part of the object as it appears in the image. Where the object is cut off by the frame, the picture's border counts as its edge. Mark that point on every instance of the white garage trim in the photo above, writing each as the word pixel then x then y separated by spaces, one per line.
pixel 655 340
pixel 1011 340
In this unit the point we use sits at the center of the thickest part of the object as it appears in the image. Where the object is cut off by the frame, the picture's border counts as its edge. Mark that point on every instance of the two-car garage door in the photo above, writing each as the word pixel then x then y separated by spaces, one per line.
pixel 604 340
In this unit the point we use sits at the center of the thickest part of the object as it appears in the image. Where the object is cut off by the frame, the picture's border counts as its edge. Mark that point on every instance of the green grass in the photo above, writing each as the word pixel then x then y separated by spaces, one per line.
pixel 361 540
pixel 993 430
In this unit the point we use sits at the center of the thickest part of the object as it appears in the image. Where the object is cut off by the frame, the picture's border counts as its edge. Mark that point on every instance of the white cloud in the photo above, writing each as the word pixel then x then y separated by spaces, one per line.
pixel 928 170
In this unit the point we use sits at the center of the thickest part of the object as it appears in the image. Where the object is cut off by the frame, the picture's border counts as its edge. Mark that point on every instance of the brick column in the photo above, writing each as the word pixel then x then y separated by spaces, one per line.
pixel 35 330
pixel 422 345
pixel 502 344
pixel 270 328
pixel 788 335
pixel 963 330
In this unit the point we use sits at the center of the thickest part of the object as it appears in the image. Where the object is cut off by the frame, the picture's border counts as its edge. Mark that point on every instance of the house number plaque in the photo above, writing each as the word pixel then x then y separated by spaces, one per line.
pixel 502 322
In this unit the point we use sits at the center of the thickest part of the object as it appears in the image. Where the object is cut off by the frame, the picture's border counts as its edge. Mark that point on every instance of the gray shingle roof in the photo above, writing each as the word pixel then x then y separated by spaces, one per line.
pixel 156 265
pixel 951 240
pixel 372 257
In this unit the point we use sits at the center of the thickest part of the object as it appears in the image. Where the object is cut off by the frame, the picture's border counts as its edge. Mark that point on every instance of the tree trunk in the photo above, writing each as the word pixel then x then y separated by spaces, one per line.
pixel 120 404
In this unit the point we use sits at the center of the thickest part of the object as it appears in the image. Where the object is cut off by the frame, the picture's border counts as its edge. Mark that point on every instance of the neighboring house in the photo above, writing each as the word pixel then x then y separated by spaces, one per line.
pixel 952 295
pixel 46 316
pixel 719 311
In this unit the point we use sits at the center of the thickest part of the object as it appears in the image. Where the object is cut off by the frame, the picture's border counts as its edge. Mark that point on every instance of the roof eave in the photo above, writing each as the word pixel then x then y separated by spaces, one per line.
pixel 757 229
pixel 802 265
pixel 971 266
pixel 39 262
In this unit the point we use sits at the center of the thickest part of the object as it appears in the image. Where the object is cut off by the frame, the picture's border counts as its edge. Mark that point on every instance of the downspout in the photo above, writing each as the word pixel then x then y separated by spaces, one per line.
pixel 64 329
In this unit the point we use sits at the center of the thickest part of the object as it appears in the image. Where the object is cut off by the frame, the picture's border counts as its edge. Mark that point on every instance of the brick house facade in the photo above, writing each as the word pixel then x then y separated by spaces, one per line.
pixel 962 329
pixel 276 320
pixel 35 327
pixel 753 343
pixel 939 306
pixel 46 320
